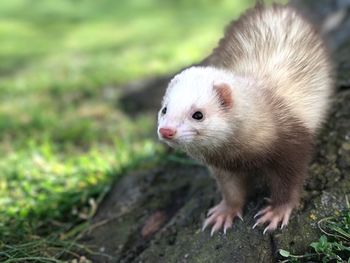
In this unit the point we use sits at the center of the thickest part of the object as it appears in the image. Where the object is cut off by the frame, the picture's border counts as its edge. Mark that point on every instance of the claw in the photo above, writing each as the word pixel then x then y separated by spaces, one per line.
pixel 221 216
pixel 228 223
pixel 257 214
pixel 286 217
pixel 262 211
pixel 273 216
pixel 208 221
pixel 225 229
pixel 217 225
pixel 204 227
pixel 265 230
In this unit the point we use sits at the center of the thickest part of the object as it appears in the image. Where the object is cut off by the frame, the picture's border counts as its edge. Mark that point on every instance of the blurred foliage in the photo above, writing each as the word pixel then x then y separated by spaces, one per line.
pixel 77 43
pixel 64 137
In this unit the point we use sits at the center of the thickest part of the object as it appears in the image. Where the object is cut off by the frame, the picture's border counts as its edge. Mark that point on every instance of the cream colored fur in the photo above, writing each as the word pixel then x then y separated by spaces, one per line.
pixel 285 51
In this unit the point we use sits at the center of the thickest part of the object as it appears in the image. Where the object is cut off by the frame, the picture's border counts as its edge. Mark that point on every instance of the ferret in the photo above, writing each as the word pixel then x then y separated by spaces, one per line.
pixel 252 109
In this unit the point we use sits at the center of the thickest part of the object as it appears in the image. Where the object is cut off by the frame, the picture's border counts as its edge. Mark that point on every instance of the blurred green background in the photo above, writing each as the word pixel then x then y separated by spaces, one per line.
pixel 64 137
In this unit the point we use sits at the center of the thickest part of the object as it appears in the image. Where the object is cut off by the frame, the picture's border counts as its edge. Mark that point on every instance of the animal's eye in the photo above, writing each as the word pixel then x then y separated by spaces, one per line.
pixel 197 115
pixel 164 110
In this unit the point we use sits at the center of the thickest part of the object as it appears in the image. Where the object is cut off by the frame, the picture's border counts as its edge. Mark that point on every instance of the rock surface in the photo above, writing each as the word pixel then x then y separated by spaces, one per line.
pixel 156 215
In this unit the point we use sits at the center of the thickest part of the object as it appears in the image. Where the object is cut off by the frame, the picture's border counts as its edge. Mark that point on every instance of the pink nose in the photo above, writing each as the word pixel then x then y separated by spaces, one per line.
pixel 167 133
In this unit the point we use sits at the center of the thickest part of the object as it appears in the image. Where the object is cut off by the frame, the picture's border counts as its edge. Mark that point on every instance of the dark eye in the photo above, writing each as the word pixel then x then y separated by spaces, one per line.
pixel 197 115
pixel 164 110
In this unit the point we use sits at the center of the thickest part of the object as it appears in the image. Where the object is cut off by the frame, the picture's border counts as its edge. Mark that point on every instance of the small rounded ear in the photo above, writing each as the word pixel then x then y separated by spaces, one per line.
pixel 224 93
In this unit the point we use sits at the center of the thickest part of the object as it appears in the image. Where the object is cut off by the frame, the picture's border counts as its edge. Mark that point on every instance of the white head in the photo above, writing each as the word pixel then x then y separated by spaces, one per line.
pixel 198 109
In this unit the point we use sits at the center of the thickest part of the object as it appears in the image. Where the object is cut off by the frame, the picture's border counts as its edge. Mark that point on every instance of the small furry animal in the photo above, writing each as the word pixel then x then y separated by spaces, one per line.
pixel 251 109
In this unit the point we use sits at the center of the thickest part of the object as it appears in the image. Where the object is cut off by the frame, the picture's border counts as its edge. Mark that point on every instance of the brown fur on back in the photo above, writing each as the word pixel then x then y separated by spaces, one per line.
pixel 278 45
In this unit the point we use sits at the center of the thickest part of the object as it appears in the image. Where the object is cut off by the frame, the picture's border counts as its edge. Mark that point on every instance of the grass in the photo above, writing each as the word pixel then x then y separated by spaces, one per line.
pixel 63 136
pixel 333 245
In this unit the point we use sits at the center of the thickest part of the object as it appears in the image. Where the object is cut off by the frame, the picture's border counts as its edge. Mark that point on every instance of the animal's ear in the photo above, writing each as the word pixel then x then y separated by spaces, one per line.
pixel 224 94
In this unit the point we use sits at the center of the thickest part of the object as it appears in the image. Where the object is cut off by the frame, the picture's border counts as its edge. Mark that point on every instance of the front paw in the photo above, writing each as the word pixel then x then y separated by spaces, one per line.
pixel 273 216
pixel 221 216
